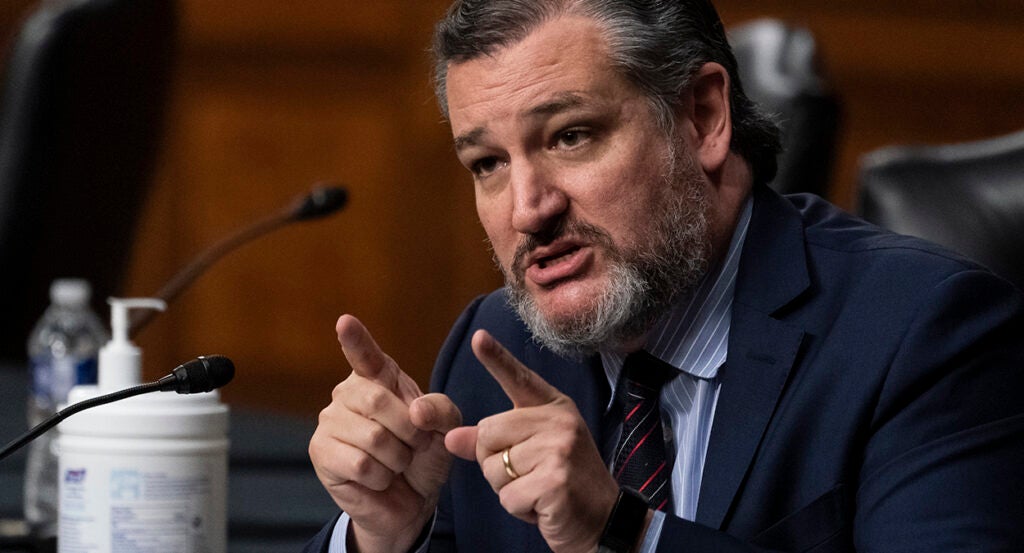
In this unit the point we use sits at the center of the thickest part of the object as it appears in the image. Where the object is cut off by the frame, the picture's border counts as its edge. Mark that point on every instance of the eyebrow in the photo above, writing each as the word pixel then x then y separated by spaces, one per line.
pixel 561 103
pixel 470 138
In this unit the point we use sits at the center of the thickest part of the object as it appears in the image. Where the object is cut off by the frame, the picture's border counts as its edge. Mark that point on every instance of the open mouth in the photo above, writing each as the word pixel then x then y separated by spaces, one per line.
pixel 555 259
pixel 559 264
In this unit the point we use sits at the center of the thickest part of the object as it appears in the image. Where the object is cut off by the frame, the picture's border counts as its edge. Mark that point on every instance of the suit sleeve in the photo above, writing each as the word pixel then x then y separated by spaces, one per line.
pixel 943 469
pixel 321 542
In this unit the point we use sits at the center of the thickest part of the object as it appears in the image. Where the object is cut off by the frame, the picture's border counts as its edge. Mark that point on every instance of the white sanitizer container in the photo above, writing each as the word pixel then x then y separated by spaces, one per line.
pixel 147 474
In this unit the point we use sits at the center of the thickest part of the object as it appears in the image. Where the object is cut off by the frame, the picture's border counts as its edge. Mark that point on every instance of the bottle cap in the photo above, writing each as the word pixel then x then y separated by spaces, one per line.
pixel 70 292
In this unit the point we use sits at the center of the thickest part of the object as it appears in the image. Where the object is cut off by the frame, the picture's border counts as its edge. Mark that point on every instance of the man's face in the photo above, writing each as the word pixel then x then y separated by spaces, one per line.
pixel 595 218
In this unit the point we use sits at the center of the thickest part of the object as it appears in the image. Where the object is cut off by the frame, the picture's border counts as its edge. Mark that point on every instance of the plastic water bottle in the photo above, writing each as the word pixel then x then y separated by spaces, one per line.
pixel 62 352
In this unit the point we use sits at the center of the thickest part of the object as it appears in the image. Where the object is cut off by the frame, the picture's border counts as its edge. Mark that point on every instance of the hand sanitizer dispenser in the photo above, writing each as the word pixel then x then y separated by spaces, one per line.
pixel 147 474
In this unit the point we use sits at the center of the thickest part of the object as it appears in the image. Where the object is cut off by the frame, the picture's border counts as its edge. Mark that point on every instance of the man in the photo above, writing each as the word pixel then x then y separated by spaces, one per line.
pixel 825 385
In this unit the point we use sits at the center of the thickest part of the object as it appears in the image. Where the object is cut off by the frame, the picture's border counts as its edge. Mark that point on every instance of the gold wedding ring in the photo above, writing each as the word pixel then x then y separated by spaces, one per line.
pixel 508 464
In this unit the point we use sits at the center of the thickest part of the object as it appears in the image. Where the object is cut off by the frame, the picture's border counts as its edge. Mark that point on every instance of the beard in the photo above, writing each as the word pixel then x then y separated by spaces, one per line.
pixel 643 282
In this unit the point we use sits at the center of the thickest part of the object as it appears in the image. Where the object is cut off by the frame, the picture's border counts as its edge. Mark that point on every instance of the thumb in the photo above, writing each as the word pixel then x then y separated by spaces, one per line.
pixel 461 442
pixel 434 413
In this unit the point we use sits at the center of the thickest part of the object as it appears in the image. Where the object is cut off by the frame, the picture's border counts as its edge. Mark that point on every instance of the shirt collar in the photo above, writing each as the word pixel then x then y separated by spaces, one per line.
pixel 693 335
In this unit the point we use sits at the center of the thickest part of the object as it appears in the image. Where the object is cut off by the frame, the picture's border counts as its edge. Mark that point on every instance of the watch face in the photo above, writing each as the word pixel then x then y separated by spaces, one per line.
pixel 625 523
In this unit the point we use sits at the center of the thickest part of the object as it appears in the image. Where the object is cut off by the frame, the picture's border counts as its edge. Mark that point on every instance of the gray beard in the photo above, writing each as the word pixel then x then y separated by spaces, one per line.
pixel 644 282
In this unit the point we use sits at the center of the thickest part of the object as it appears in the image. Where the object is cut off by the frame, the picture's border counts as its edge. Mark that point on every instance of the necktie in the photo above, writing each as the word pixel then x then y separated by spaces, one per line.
pixel 640 461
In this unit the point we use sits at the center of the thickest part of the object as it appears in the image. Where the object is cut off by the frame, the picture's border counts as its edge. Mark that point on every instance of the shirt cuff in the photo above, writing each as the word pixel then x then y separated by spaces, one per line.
pixel 653 533
pixel 340 532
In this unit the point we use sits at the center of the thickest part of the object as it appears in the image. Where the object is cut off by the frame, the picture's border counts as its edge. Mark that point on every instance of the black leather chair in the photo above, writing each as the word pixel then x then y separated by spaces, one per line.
pixel 968 197
pixel 81 116
pixel 779 67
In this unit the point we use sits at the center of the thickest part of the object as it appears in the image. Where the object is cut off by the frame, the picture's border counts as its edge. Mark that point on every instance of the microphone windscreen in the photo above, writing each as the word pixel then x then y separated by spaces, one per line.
pixel 322 201
pixel 203 374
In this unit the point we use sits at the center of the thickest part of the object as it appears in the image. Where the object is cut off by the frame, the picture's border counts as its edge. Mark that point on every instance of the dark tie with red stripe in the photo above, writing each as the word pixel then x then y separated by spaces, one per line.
pixel 640 461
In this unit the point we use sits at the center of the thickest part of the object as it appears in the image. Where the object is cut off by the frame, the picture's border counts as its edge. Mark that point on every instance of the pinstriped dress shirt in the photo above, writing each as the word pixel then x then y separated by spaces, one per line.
pixel 693 337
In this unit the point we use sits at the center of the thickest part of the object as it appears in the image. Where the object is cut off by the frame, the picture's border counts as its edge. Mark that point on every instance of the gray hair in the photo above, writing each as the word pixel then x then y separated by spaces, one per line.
pixel 657 44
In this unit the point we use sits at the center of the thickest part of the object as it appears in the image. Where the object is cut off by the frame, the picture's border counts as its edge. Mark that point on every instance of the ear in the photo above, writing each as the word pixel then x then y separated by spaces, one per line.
pixel 710 116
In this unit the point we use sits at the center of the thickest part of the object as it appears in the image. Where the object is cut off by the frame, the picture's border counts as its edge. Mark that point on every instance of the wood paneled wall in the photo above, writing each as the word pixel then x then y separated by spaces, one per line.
pixel 271 97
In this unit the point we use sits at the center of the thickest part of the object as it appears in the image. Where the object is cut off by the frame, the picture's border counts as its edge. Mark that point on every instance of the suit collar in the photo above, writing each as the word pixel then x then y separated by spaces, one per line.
pixel 762 349
pixel 773 270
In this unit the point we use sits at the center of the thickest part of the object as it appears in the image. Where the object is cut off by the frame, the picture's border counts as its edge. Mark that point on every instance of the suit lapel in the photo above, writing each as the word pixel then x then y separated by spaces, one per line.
pixel 589 392
pixel 752 380
pixel 762 350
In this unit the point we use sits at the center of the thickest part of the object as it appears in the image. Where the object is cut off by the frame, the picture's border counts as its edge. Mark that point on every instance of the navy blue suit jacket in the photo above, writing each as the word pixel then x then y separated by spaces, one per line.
pixel 871 401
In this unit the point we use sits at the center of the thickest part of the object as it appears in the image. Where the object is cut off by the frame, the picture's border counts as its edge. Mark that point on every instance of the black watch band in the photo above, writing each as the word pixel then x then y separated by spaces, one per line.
pixel 625 523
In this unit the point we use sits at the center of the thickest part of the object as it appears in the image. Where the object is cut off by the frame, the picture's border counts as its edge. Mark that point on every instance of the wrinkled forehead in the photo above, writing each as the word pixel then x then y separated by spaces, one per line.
pixel 563 57
pixel 488 32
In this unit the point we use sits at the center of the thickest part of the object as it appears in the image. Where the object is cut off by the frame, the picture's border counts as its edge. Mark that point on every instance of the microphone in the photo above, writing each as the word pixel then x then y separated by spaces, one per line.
pixel 202 374
pixel 323 200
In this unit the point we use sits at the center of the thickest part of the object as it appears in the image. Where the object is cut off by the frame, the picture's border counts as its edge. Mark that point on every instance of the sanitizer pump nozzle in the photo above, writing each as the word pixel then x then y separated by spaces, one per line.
pixel 120 362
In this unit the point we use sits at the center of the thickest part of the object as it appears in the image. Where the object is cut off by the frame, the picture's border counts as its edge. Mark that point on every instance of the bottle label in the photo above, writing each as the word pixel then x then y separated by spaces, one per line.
pixel 53 377
pixel 143 503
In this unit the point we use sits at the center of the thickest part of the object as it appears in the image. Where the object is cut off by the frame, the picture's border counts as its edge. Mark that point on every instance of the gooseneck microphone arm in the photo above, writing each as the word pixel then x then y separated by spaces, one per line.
pixel 322 201
pixel 198 375
pixel 59 416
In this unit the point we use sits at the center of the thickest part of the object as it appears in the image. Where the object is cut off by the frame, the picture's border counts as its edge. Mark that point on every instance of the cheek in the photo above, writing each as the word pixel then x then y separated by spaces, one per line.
pixel 497 225
pixel 622 198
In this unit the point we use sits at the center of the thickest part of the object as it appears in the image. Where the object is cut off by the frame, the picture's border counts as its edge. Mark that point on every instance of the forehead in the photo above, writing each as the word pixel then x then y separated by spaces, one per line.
pixel 563 58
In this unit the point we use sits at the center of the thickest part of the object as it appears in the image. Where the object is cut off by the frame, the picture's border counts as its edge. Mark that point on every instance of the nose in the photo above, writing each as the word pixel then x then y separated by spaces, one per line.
pixel 538 201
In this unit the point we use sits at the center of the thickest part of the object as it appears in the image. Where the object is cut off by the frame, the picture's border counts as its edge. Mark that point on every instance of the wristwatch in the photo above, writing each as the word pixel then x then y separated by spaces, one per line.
pixel 625 523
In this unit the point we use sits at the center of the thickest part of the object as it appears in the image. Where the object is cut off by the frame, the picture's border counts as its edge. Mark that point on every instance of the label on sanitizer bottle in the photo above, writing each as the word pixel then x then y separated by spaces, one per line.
pixel 143 504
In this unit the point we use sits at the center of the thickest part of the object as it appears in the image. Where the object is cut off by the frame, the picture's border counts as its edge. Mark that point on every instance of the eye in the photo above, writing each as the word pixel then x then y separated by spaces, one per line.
pixel 571 138
pixel 483 167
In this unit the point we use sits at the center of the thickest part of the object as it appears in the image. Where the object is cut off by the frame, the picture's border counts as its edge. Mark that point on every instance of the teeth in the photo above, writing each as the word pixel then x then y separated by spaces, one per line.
pixel 555 259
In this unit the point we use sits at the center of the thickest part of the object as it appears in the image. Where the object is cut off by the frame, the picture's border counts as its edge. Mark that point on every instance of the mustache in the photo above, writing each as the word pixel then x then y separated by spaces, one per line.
pixel 567 227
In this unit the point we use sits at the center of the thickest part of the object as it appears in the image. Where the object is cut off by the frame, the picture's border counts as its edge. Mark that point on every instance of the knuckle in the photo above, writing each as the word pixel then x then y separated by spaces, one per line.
pixel 325 416
pixel 377 436
pixel 509 501
pixel 375 399
pixel 314 449
pixel 562 449
pixel 486 431
pixel 339 390
pixel 559 476
pixel 491 435
pixel 564 422
pixel 360 465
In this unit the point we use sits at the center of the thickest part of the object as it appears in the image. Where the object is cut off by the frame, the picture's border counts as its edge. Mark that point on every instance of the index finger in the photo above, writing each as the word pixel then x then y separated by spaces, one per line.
pixel 363 353
pixel 523 386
